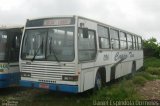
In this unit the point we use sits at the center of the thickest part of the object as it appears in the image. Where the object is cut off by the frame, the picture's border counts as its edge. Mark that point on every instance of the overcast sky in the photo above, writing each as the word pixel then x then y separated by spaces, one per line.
pixel 138 16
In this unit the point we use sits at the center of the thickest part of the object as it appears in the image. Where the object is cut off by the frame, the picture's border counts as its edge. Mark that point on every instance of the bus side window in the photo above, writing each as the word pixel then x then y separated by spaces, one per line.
pixel 130 42
pixel 114 39
pixel 134 42
pixel 14 46
pixel 139 43
pixel 123 40
pixel 86 46
pixel 103 34
pixel 136 46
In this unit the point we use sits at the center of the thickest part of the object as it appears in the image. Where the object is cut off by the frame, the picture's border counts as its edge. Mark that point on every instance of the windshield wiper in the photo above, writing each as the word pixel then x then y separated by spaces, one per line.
pixel 37 52
pixel 54 53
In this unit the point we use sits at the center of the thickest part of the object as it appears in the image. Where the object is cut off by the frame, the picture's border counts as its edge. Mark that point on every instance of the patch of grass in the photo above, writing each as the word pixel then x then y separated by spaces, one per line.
pixel 125 90
pixel 153 71
pixel 146 75
pixel 51 98
pixel 151 62
pixel 139 80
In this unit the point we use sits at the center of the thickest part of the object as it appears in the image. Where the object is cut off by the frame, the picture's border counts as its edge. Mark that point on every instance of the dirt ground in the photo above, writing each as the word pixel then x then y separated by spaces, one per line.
pixel 151 90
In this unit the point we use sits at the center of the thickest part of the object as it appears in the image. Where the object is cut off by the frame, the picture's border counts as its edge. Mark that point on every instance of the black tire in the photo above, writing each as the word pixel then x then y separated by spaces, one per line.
pixel 98 81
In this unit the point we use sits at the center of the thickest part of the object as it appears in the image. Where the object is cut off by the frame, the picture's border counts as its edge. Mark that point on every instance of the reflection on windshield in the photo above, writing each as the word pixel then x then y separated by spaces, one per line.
pixel 56 44
pixel 3 45
pixel 31 43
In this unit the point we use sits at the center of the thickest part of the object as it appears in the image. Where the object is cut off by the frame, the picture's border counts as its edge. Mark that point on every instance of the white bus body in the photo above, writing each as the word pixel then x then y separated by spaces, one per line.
pixel 80 49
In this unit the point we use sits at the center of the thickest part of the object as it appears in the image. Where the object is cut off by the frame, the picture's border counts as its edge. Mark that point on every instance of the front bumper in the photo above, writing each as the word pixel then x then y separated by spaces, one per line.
pixel 54 87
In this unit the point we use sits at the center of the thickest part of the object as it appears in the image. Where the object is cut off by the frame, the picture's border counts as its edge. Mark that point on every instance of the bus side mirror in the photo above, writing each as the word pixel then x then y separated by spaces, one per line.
pixel 85 32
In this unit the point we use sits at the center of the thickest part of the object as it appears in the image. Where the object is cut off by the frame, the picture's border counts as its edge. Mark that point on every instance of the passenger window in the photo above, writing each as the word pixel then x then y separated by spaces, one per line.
pixel 136 46
pixel 15 45
pixel 103 34
pixel 86 46
pixel 114 39
pixel 134 42
pixel 123 40
pixel 139 43
pixel 129 39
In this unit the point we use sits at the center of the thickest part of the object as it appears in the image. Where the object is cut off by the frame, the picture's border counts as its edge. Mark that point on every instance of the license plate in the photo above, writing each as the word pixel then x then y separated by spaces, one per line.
pixel 42 85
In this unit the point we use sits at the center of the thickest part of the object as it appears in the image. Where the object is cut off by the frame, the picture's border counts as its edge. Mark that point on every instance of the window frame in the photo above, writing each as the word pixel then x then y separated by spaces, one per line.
pixel 7 49
pixel 123 40
pixel 24 38
pixel 114 39
pixel 12 39
pixel 95 39
pixel 134 42
pixel 130 41
pixel 139 43
pixel 99 37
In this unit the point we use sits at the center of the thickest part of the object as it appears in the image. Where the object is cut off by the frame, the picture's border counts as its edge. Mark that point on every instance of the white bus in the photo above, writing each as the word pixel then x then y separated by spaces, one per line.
pixel 75 54
pixel 10 38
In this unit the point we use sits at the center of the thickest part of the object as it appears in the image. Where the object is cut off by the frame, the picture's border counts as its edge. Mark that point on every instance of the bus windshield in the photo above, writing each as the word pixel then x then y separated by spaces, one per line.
pixel 50 44
pixel 3 45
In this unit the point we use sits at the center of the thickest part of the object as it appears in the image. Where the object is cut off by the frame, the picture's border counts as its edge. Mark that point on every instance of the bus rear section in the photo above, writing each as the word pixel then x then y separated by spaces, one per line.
pixel 10 38
pixel 48 58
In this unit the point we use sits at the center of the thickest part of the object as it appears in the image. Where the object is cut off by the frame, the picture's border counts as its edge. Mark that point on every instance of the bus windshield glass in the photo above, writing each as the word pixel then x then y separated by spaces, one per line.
pixel 3 45
pixel 50 44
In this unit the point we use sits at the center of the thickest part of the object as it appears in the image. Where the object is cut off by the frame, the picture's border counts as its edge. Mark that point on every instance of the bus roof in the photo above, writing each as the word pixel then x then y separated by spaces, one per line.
pixel 103 24
pixel 63 16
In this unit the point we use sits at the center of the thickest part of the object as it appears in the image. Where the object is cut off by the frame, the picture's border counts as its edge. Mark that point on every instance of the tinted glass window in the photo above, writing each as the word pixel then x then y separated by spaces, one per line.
pixel 103 34
pixel 114 39
pixel 53 44
pixel 86 46
pixel 15 45
pixel 123 40
pixel 134 42
pixel 3 45
pixel 60 43
pixel 129 39
pixel 139 43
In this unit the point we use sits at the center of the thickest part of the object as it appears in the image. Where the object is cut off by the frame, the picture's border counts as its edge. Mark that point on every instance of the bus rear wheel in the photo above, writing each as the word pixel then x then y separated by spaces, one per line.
pixel 98 81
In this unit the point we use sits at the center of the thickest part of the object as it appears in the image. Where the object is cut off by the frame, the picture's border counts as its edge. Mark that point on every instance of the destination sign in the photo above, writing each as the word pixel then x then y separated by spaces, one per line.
pixel 50 22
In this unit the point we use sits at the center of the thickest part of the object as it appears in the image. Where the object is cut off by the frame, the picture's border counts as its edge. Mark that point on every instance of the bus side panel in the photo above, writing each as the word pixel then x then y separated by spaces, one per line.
pixel 108 72
pixel 14 73
pixel 88 79
pixel 125 68
pixel 119 71
pixel 139 64
pixel 14 78
pixel 88 72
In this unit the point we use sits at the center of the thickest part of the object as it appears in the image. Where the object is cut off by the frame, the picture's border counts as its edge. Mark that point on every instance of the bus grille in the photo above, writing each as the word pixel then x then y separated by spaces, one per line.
pixel 46 71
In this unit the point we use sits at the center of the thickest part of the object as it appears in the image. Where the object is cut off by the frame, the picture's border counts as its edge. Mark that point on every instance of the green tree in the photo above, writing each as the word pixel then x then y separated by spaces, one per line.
pixel 151 47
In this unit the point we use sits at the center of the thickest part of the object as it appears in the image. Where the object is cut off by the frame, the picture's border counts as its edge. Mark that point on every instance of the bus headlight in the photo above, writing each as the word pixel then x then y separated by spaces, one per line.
pixel 25 74
pixel 70 78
